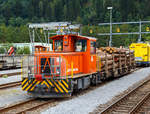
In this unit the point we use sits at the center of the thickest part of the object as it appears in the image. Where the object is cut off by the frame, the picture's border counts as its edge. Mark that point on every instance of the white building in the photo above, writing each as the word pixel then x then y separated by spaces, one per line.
pixel 28 45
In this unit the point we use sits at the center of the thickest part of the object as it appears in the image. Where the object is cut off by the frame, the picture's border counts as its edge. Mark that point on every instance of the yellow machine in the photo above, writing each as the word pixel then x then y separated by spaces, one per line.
pixel 141 53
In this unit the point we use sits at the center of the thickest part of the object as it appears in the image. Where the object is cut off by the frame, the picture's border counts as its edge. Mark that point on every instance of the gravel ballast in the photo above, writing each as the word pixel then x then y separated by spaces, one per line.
pixel 11 96
pixel 88 102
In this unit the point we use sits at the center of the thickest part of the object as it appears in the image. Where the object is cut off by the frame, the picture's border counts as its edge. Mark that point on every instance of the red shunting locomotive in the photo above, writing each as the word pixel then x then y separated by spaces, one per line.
pixel 72 65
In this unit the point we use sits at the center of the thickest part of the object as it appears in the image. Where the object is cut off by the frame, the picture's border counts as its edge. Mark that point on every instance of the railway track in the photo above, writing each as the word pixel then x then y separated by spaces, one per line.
pixel 7 68
pixel 25 106
pixel 144 107
pixel 10 85
pixel 10 74
pixel 130 102
pixel 33 104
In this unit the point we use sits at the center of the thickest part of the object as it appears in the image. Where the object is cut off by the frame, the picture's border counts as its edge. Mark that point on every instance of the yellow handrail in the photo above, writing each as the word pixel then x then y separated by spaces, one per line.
pixel 72 69
pixel 67 69
pixel 22 67
pixel 99 63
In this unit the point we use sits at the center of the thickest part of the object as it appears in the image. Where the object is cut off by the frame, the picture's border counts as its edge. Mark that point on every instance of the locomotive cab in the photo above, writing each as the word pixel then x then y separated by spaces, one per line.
pixel 57 73
pixel 80 47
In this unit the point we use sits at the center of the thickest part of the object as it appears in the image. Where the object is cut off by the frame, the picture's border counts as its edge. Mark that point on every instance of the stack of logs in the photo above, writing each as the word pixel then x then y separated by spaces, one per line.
pixel 115 61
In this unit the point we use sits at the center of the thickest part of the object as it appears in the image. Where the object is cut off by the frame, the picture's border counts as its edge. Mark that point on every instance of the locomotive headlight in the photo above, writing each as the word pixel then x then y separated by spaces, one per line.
pixel 42 71
pixel 57 71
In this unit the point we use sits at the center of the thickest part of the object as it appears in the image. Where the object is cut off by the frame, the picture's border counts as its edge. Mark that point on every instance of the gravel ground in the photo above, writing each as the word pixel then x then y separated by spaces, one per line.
pixel 88 102
pixel 10 71
pixel 11 96
pixel 10 79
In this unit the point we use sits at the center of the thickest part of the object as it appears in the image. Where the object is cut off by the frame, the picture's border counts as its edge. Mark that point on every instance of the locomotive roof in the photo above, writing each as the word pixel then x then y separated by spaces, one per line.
pixel 39 46
pixel 78 36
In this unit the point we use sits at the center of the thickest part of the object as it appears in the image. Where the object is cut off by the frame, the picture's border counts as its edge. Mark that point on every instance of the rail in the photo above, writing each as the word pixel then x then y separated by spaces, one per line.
pixel 25 106
pixel 10 85
pixel 123 99
pixel 10 62
pixel 140 103
pixel 10 74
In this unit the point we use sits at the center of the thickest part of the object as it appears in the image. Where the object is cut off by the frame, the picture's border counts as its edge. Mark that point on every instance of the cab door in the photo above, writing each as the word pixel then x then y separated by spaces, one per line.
pixel 93 56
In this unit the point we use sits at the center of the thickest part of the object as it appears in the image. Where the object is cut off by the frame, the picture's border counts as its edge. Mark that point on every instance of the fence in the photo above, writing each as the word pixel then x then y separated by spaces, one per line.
pixel 45 67
pixel 10 61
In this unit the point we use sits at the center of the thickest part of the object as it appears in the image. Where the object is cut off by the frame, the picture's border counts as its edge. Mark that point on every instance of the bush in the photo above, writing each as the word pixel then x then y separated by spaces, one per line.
pixel 23 50
pixel 20 50
pixel 4 48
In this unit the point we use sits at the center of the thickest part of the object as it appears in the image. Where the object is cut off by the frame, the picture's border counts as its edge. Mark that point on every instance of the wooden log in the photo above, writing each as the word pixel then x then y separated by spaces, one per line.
pixel 108 62
pixel 122 58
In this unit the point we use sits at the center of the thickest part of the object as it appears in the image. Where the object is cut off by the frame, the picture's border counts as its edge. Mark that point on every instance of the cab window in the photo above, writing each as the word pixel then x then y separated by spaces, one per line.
pixel 80 45
pixel 58 45
pixel 44 48
pixel 92 47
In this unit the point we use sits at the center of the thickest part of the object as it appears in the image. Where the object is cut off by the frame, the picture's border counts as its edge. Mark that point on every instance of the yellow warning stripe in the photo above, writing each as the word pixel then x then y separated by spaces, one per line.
pixel 35 85
pixel 65 83
pixel 30 86
pixel 42 82
pixel 58 86
pixel 25 85
pixel 54 85
pixel 56 90
pixel 24 81
pixel 46 84
pixel 50 82
pixel 63 86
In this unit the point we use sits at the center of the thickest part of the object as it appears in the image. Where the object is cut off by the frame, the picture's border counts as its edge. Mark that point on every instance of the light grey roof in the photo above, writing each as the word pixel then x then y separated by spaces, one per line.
pixel 54 25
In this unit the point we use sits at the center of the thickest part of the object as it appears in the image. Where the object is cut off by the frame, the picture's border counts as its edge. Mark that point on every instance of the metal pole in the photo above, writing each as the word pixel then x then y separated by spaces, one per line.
pixel 48 37
pixel 45 37
pixel 140 30
pixel 33 36
pixel 110 40
pixel 80 30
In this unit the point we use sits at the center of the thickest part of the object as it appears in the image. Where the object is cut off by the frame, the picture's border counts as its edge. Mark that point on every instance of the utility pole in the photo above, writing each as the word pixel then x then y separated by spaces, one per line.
pixel 140 30
pixel 110 40
pixel 33 40
pixel 136 23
